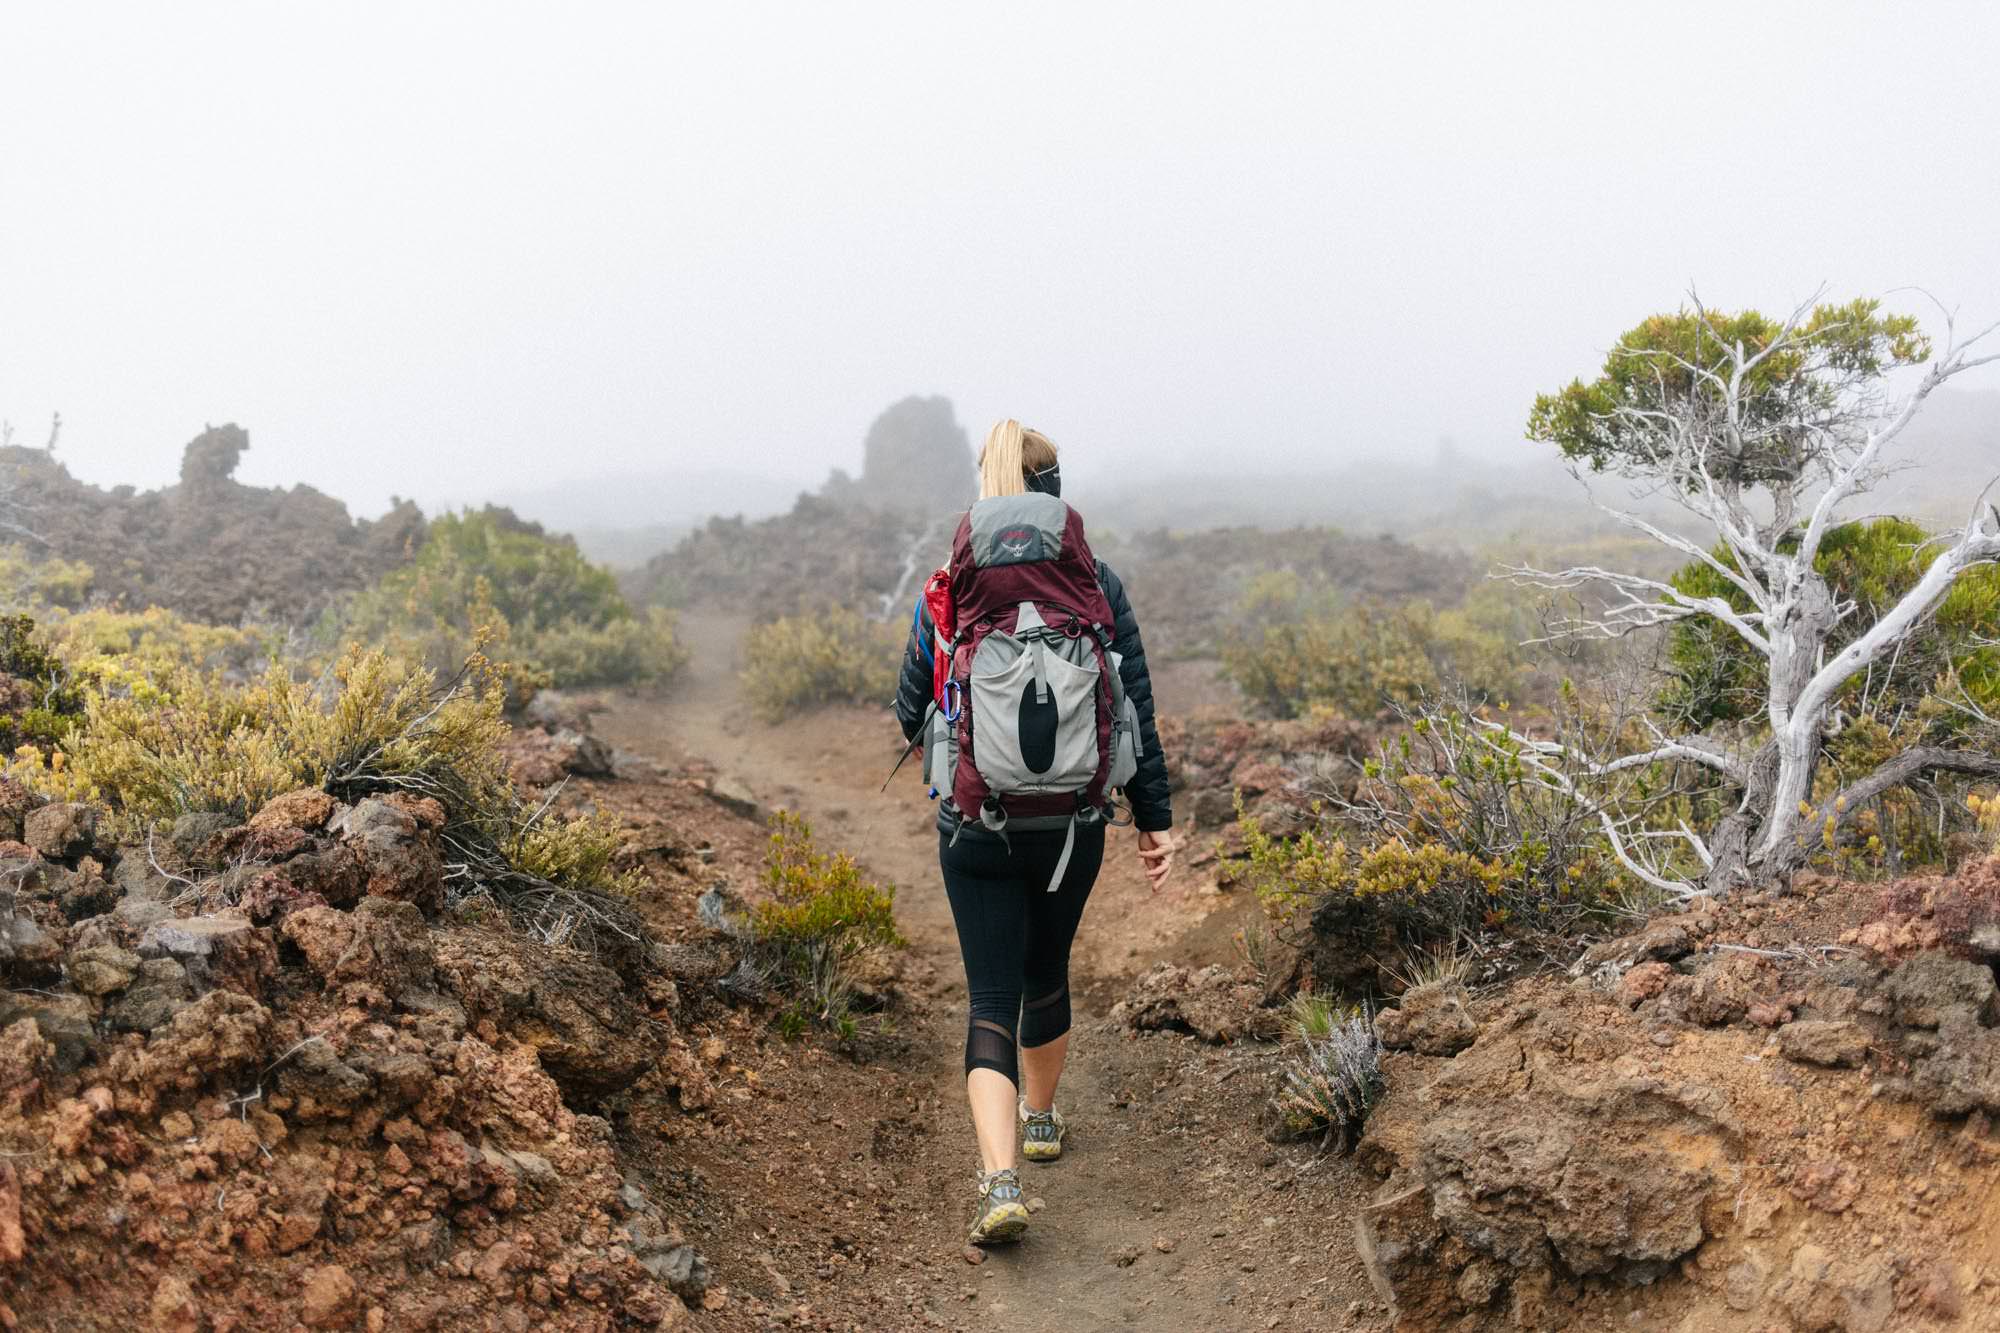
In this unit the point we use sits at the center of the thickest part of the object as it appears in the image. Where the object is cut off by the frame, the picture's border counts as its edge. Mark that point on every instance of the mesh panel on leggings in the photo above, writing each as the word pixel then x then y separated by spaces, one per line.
pixel 1043 1020
pixel 991 1046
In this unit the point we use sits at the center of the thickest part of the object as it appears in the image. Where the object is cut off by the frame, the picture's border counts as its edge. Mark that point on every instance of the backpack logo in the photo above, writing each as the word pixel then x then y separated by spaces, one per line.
pixel 1017 543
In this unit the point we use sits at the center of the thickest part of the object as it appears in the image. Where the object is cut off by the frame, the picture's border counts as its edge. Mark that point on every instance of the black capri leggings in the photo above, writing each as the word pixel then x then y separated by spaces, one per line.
pixel 1014 934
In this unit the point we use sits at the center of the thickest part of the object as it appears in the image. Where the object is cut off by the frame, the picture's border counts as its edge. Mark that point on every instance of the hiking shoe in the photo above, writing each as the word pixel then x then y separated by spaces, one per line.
pixel 1041 1133
pixel 1002 1215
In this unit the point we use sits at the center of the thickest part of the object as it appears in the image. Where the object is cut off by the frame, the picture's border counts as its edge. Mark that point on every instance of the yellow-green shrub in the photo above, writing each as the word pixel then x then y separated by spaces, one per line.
pixel 1356 660
pixel 832 656
pixel 1451 829
pixel 34 586
pixel 1986 812
pixel 527 600
pixel 818 915
pixel 188 740
pixel 639 650
pixel 122 647
pixel 578 851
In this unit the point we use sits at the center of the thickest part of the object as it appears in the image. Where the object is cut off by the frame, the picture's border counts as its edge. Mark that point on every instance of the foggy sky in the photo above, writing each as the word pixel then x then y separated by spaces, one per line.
pixel 453 250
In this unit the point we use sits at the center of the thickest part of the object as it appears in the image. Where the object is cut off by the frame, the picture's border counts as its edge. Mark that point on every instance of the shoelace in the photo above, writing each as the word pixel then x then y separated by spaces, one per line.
pixel 1004 1179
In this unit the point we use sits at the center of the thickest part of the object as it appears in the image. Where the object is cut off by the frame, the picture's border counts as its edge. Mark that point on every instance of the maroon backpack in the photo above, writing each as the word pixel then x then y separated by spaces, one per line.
pixel 1033 704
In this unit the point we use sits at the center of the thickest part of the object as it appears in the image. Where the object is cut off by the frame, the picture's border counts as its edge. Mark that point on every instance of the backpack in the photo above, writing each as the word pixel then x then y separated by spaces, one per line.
pixel 1031 728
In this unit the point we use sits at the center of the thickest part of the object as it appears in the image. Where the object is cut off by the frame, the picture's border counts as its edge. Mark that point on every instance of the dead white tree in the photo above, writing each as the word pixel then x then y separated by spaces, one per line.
pixel 1764 440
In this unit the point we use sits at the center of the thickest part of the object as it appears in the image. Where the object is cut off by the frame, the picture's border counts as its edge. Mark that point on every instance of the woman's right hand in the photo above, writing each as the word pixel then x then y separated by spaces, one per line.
pixel 1156 855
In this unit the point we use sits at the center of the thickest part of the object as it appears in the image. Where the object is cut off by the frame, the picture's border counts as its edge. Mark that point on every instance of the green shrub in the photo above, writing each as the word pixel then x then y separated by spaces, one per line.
pixel 181 740
pixel 1359 659
pixel 119 648
pixel 820 914
pixel 39 696
pixel 1715 677
pixel 832 656
pixel 35 586
pixel 1451 830
pixel 638 650
pixel 531 603
pixel 580 851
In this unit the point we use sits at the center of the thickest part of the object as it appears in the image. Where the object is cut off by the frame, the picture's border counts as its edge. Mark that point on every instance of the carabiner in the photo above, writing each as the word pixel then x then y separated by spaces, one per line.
pixel 954 700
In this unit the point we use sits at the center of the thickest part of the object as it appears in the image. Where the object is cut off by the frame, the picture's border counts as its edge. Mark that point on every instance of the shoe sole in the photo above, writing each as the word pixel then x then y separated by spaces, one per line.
pixel 1041 1152
pixel 1005 1223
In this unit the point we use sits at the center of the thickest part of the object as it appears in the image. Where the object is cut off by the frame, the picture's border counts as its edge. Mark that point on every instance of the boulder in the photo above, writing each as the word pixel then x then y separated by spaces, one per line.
pixel 1210 1004
pixel 82 892
pixel 592 1036
pixel 16 804
pixel 135 877
pixel 307 809
pixel 1928 990
pixel 64 1021
pixel 193 831
pixel 1430 1020
pixel 1956 1070
pixel 1533 1157
pixel 21 867
pixel 216 951
pixel 103 969
pixel 61 831
pixel 682 1268
pixel 395 838
pixel 329 1299
pixel 157 992
pixel 381 947
pixel 733 796
pixel 1661 942
pixel 28 953
pixel 1835 1045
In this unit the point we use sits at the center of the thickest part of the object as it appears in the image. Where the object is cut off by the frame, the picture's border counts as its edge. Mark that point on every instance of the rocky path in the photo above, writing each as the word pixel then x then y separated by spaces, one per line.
pixel 1170 1213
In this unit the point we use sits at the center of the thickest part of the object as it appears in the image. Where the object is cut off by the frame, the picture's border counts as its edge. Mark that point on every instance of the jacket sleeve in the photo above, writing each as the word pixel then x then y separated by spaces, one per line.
pixel 1149 791
pixel 913 685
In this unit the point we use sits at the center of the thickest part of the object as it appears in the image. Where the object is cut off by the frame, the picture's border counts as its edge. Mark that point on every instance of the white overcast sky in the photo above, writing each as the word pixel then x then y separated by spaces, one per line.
pixel 453 250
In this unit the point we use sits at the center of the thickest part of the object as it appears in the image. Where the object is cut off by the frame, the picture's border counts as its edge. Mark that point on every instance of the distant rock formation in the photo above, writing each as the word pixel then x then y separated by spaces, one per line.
pixel 209 547
pixel 916 459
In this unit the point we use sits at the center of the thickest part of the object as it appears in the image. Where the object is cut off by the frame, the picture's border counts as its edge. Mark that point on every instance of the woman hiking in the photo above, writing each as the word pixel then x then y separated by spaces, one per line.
pixel 1025 681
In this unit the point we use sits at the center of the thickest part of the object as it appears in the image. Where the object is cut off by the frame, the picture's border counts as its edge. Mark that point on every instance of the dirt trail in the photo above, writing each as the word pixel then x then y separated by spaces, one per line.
pixel 1170 1213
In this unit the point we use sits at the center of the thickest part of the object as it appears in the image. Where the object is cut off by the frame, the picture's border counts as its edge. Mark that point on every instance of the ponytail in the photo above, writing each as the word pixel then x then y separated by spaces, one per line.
pixel 1010 453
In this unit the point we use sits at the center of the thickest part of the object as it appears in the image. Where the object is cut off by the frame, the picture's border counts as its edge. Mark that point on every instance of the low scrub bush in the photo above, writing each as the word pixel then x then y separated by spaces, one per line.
pixel 581 851
pixel 1453 828
pixel 122 649
pixel 820 915
pixel 831 656
pixel 39 695
pixel 149 747
pixel 181 740
pixel 530 602
pixel 1356 660
pixel 1335 1078
pixel 31 586
pixel 1986 816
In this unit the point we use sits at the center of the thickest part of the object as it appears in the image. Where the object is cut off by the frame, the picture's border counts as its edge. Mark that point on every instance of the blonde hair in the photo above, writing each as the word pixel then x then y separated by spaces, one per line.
pixel 1010 453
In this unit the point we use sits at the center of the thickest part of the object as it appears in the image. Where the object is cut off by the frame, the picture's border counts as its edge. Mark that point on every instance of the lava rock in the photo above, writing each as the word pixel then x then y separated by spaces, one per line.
pixel 1430 1020
pixel 61 831
pixel 1835 1045
pixel 1927 990
pixel 102 970
pixel 150 1000
pixel 396 839
pixel 217 951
